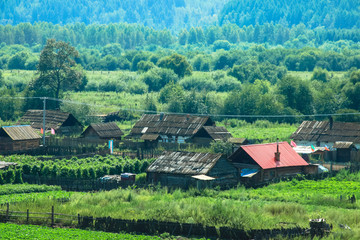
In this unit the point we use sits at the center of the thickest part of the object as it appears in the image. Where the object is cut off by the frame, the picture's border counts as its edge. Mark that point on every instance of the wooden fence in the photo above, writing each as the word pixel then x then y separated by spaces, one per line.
pixel 73 184
pixel 150 227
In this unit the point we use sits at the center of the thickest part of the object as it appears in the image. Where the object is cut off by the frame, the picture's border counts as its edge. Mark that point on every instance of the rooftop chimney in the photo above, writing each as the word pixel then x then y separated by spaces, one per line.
pixel 331 122
pixel 277 153
pixel 161 116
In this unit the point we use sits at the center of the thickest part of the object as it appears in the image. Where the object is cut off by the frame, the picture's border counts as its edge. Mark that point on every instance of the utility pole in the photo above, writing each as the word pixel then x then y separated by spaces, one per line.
pixel 44 115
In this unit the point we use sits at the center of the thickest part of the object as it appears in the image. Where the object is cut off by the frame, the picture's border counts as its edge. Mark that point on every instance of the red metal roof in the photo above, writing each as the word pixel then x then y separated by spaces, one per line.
pixel 264 155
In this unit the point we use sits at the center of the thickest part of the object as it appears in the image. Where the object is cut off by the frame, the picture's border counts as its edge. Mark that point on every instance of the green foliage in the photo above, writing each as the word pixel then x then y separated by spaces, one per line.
pixel 157 78
pixel 222 147
pixel 177 63
pixel 8 189
pixel 18 177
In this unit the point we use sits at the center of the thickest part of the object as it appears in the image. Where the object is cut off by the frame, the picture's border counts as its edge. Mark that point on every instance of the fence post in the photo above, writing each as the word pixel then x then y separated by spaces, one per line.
pixel 7 212
pixel 52 216
pixel 27 215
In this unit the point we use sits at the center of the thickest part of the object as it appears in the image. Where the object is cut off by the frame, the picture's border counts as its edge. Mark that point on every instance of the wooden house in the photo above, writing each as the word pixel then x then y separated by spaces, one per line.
pixel 18 138
pixel 321 133
pixel 264 162
pixel 169 127
pixel 106 131
pixel 345 151
pixel 63 123
pixel 185 169
pixel 207 134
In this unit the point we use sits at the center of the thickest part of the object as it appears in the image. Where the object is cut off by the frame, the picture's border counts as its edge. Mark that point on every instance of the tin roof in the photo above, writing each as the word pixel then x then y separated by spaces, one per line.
pixel 20 132
pixel 217 133
pixel 169 124
pixel 105 130
pixel 188 163
pixel 322 131
pixel 264 155
pixel 53 119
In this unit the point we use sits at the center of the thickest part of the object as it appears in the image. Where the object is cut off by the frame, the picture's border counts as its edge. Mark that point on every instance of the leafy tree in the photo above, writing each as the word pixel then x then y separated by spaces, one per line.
pixel 144 66
pixel 320 75
pixel 171 90
pixel 177 63
pixel 157 78
pixel 18 177
pixel 222 44
pixel 57 69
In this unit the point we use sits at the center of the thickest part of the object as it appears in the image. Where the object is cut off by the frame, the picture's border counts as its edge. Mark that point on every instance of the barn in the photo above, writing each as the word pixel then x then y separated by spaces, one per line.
pixel 18 138
pixel 260 163
pixel 105 131
pixel 169 127
pixel 63 123
pixel 185 169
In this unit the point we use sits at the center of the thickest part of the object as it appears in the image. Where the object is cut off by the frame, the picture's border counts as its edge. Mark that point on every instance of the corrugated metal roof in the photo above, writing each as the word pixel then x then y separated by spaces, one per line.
pixel 53 119
pixel 174 125
pixel 21 132
pixel 264 155
pixel 321 131
pixel 218 133
pixel 188 163
pixel 105 130
pixel 340 144
pixel 203 177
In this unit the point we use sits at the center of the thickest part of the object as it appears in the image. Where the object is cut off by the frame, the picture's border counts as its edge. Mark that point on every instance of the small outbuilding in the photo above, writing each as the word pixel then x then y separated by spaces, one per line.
pixel 185 169
pixel 63 123
pixel 18 138
pixel 259 163
pixel 208 134
pixel 106 131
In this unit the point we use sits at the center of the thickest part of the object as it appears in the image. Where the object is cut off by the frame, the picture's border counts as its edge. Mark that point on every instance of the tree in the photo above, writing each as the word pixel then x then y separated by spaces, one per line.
pixel 57 69
pixel 177 63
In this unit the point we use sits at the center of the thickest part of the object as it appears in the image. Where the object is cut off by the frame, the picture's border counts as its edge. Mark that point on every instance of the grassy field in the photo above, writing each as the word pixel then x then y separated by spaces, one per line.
pixel 13 231
pixel 293 202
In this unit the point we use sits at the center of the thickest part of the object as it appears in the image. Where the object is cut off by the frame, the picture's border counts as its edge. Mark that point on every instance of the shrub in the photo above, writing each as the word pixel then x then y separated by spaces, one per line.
pixel 9 176
pixel 18 177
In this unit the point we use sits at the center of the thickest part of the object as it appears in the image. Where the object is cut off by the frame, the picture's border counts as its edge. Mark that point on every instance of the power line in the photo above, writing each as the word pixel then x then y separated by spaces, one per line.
pixel 196 114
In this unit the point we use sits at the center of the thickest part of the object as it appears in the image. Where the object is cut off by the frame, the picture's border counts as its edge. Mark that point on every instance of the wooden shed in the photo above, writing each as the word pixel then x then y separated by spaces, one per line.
pixel 169 127
pixel 63 123
pixel 18 138
pixel 207 134
pixel 185 169
pixel 345 151
pixel 264 162
pixel 103 131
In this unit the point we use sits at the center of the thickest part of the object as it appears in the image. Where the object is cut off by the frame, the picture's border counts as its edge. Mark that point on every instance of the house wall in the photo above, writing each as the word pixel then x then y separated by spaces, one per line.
pixel 202 141
pixel 10 145
pixel 69 130
pixel 90 133
pixel 269 174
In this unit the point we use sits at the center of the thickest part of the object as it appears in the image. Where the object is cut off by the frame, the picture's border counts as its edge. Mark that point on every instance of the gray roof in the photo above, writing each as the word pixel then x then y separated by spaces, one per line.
pixel 343 144
pixel 105 130
pixel 6 164
pixel 322 131
pixel 53 119
pixel 188 163
pixel 20 132
pixel 218 133
pixel 174 125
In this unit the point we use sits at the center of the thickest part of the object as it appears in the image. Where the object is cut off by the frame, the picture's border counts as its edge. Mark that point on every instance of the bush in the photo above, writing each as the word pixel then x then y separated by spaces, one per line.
pixel 18 177
pixel 198 83
pixel 9 176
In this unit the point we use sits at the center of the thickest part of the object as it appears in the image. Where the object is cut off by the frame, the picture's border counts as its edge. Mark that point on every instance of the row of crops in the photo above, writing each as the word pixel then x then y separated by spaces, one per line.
pixel 76 168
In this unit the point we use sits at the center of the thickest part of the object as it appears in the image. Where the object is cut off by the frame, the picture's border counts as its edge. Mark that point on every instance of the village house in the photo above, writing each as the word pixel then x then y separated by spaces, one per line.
pixel 18 138
pixel 185 169
pixel 63 123
pixel 107 131
pixel 260 163
pixel 341 137
pixel 169 127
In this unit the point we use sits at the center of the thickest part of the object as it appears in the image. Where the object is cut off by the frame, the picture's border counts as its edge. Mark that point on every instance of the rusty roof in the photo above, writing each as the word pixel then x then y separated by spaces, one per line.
pixel 322 131
pixel 19 132
pixel 53 119
pixel 217 133
pixel 188 163
pixel 169 124
pixel 105 130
